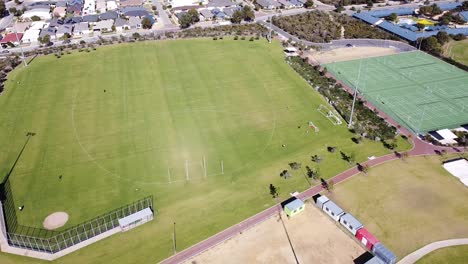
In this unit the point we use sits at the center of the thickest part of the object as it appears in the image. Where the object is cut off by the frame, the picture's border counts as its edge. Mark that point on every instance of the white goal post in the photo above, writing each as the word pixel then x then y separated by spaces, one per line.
pixel 330 115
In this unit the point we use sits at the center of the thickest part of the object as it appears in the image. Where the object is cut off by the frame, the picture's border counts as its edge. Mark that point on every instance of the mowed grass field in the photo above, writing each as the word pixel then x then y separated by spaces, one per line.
pixel 458 50
pixel 408 204
pixel 452 255
pixel 127 121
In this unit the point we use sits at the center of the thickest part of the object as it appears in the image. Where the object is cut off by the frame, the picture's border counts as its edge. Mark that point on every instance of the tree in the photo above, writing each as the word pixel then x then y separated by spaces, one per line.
pixel 136 35
pixel 146 23
pixel 44 40
pixel 309 4
pixel 465 6
pixel 443 37
pixel 3 10
pixel 393 17
pixel 194 16
pixel 331 185
pixel 370 3
pixel 285 174
pixel 185 21
pixel 431 44
pixel 35 18
pixel 274 191
pixel 65 36
pixel 237 17
pixel 295 165
pixel 248 14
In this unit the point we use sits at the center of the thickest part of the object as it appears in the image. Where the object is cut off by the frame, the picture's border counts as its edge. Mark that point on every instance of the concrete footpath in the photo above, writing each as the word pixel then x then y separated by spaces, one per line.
pixel 418 254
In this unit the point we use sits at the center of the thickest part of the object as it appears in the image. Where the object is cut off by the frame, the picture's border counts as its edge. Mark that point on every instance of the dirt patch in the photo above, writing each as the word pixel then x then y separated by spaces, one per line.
pixel 351 53
pixel 314 236
pixel 55 220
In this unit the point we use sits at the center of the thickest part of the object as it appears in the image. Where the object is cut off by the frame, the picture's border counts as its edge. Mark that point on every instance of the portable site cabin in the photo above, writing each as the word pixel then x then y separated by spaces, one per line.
pixel 294 207
pixel 384 254
pixel 333 210
pixel 350 223
pixel 135 219
pixel 321 200
pixel 366 238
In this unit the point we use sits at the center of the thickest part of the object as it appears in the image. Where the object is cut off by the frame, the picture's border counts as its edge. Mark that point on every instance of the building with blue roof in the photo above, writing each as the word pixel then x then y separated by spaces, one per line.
pixel 464 15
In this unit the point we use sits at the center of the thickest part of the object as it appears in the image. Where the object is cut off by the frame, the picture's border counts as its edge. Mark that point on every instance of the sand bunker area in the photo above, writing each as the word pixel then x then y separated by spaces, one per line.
pixel 350 53
pixel 55 220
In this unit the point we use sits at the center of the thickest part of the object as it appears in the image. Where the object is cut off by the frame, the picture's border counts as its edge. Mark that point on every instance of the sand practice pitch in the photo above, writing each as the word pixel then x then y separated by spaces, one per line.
pixel 351 53
pixel 55 220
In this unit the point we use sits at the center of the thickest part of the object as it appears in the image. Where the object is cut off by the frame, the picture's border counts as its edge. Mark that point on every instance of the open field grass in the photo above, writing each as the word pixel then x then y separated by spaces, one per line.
pixel 419 91
pixel 458 50
pixel 407 204
pixel 125 121
pixel 452 255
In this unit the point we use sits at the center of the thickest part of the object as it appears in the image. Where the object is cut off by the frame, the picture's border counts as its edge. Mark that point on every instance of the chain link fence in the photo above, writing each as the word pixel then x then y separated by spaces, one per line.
pixel 49 241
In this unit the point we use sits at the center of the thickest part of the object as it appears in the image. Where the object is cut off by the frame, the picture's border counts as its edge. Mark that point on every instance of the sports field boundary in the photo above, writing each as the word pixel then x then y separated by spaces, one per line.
pixel 420 253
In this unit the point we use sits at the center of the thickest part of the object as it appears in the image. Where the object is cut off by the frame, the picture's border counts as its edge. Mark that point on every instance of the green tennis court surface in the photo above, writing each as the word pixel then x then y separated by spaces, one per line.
pixel 421 92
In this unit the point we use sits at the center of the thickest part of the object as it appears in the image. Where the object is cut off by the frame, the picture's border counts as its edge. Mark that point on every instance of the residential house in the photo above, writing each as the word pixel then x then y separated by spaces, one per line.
pixel 61 4
pixel 104 25
pixel 127 3
pixel 221 3
pixel 132 11
pixel 43 13
pixel 62 30
pixel 121 24
pixel 73 20
pixel 218 14
pixel 48 31
pixel 91 19
pixel 285 4
pixel 205 14
pixel 297 3
pixel 109 15
pixel 59 11
pixel 192 3
pixel 229 11
pixel 268 4
pixel 111 5
pixel 11 39
pixel 19 27
pixel 81 29
pixel 134 22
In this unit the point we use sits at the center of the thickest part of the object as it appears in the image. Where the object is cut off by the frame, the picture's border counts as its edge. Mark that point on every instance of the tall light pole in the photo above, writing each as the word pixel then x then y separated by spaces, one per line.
pixel 21 48
pixel 174 240
pixel 355 94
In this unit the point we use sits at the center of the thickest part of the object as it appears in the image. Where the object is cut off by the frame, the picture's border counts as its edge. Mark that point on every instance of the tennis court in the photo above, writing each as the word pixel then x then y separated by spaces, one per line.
pixel 420 91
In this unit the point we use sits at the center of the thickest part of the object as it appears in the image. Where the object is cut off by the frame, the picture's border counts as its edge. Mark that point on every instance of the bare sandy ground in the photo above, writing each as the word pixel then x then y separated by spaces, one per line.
pixel 315 237
pixel 351 53
pixel 55 220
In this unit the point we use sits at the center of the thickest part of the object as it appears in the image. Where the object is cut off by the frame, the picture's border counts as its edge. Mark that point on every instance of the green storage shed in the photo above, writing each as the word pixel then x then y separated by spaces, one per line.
pixel 294 207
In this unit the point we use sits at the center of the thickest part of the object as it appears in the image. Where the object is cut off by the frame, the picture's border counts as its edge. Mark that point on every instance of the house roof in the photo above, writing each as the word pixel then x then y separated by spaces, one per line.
pixel 333 207
pixel 268 3
pixel 206 13
pixel 221 3
pixel 11 38
pixel 61 3
pixel 145 213
pixel 81 27
pixel 351 220
pixel 91 18
pixel 62 29
pixel 294 205
pixel 120 22
pixel 48 31
pixel 136 13
pixel 285 2
pixel 104 24
pixel 229 11
pixel 464 15
pixel 109 15
pixel 446 134
pixel 134 21
pixel 21 27
pixel 131 3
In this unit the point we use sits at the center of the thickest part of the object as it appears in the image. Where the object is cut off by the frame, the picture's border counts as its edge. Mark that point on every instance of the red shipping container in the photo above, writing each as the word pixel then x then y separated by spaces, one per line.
pixel 366 238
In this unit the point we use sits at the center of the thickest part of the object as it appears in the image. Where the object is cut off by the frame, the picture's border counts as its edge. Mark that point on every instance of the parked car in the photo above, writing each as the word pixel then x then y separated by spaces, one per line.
pixel 5 51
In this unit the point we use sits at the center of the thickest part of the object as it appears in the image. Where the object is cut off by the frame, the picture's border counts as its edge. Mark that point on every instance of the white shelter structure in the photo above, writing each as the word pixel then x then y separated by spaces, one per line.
pixel 444 136
pixel 136 219
pixel 178 3
pixel 89 7
pixel 458 168
pixel 31 36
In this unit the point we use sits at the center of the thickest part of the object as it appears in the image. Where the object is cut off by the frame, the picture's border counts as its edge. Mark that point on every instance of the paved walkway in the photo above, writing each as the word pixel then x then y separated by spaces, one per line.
pixel 418 254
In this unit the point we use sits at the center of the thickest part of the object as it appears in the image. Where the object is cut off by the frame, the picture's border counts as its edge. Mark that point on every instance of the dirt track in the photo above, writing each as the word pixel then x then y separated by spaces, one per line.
pixel 351 53
pixel 315 238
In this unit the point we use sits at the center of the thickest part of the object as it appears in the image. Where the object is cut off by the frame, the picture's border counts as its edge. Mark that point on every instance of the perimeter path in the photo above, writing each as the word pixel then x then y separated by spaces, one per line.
pixel 418 254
